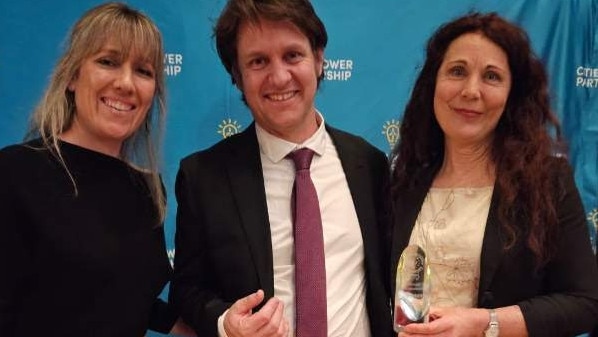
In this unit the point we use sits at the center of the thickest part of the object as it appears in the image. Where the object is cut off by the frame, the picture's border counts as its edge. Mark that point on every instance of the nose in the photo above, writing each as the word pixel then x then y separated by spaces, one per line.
pixel 124 80
pixel 279 73
pixel 471 88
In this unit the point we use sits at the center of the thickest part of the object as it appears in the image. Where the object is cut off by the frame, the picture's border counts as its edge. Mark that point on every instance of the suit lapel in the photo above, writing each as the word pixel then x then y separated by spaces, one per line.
pixel 491 253
pixel 354 167
pixel 247 184
pixel 407 204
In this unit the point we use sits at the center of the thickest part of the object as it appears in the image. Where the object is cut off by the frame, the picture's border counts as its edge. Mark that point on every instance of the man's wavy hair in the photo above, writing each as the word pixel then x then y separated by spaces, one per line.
pixel 298 12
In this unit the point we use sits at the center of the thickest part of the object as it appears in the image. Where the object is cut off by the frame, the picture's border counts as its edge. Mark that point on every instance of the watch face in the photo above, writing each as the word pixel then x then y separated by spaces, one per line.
pixel 492 331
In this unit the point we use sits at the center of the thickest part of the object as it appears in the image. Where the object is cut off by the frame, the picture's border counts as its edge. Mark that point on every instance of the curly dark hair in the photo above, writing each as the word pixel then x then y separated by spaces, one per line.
pixel 522 142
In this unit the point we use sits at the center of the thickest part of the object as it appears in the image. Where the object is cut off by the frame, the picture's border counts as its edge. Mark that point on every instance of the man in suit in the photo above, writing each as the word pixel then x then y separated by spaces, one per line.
pixel 234 266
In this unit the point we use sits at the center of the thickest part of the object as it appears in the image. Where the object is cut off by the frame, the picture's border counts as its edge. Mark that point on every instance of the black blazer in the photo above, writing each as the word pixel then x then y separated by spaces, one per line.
pixel 560 300
pixel 223 245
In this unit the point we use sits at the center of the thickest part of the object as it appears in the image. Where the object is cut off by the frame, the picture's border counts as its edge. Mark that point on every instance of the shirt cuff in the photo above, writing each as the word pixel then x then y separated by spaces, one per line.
pixel 221 331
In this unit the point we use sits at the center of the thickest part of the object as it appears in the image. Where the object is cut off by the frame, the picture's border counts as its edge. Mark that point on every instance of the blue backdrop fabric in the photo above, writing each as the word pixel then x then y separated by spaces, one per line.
pixel 374 53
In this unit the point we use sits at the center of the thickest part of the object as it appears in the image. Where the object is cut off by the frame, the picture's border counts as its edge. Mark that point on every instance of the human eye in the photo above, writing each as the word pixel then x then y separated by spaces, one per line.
pixel 457 71
pixel 256 63
pixel 493 76
pixel 107 61
pixel 146 71
pixel 293 56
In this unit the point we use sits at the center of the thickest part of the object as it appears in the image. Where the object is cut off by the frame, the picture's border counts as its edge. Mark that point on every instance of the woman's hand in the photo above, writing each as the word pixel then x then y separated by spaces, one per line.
pixel 450 322
pixel 466 322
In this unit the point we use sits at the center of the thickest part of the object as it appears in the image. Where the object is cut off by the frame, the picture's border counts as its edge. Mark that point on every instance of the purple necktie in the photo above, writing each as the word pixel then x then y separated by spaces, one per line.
pixel 310 270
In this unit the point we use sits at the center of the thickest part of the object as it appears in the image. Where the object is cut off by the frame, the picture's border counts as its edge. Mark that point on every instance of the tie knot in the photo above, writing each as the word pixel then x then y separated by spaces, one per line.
pixel 302 158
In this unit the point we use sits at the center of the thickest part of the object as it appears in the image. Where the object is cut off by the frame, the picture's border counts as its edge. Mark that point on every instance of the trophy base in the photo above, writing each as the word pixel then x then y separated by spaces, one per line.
pixel 401 319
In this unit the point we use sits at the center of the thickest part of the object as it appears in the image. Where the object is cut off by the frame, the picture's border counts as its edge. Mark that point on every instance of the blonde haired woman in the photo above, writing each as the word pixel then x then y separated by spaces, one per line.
pixel 82 244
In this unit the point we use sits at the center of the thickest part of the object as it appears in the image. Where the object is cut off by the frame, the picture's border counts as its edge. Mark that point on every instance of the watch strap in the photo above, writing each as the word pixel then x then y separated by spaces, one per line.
pixel 493 328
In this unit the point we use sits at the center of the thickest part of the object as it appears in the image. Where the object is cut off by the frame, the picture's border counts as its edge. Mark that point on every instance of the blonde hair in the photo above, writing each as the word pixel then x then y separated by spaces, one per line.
pixel 131 30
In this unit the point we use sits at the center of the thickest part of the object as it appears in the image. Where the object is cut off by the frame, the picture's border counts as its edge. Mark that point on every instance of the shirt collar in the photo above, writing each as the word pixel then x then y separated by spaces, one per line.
pixel 276 149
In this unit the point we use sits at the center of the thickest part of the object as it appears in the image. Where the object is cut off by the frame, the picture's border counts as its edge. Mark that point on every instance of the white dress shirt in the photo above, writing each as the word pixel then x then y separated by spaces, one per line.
pixel 343 244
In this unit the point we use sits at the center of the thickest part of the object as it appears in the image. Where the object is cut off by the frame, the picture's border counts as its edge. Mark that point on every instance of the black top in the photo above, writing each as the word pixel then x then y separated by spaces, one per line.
pixel 85 263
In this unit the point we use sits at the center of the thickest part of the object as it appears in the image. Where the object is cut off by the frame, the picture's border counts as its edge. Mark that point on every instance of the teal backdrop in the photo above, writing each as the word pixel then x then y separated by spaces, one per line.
pixel 375 50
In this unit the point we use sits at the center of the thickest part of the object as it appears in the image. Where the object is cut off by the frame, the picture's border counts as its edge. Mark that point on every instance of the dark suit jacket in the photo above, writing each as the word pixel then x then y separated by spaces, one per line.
pixel 223 245
pixel 561 299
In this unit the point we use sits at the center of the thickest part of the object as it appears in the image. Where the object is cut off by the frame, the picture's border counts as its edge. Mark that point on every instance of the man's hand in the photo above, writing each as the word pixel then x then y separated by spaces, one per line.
pixel 269 321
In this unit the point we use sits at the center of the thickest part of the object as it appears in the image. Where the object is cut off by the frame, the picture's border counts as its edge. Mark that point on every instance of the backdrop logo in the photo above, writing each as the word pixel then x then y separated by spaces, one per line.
pixel 593 217
pixel 338 69
pixel 173 64
pixel 228 127
pixel 586 77
pixel 391 131
pixel 170 254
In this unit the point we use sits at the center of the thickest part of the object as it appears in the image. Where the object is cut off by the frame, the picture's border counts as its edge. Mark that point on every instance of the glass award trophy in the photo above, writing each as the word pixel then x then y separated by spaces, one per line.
pixel 412 292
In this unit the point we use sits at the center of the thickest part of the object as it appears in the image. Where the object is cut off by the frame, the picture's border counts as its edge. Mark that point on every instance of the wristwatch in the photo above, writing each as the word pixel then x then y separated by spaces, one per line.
pixel 492 329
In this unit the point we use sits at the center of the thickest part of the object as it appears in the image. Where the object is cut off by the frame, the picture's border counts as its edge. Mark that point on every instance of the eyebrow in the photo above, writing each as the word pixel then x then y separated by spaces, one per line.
pixel 118 52
pixel 487 66
pixel 109 50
